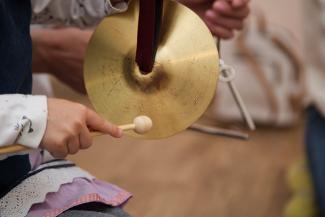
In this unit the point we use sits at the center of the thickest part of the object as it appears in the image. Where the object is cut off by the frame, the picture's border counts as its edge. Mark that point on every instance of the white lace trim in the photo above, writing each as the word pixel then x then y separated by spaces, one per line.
pixel 35 188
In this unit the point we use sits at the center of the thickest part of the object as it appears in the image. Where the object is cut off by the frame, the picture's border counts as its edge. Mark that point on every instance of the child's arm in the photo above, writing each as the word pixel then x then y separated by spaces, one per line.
pixel 59 126
pixel 221 16
pixel 23 119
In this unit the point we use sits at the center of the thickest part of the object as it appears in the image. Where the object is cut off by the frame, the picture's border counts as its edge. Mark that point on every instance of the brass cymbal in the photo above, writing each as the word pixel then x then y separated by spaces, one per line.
pixel 179 88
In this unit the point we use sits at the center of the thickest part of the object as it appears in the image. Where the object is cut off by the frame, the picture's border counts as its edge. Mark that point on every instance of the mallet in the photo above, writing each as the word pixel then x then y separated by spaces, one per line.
pixel 140 125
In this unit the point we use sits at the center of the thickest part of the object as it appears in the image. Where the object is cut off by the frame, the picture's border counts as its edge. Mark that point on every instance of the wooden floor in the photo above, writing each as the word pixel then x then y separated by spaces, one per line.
pixel 193 174
pixel 197 175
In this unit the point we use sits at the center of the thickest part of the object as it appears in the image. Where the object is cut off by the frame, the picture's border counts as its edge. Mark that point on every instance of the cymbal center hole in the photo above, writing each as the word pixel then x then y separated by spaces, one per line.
pixel 144 73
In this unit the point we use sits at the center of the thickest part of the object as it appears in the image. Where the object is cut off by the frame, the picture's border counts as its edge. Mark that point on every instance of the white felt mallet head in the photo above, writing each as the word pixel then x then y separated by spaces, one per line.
pixel 142 124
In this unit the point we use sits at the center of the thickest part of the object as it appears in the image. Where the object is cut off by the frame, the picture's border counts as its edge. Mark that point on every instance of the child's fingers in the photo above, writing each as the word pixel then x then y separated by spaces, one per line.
pixel 61 151
pixel 227 22
pixel 219 31
pixel 73 145
pixel 96 123
pixel 85 138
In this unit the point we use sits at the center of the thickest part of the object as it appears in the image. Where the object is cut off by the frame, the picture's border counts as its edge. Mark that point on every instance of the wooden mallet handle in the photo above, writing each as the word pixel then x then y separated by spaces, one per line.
pixel 140 125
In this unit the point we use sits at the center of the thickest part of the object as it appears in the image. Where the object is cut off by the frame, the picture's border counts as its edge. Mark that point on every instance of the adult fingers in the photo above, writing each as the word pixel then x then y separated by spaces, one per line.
pixel 229 23
pixel 222 6
pixel 226 9
pixel 239 3
pixel 219 31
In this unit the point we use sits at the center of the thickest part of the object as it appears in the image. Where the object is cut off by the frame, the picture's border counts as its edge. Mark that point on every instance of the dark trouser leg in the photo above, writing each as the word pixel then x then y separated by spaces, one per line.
pixel 315 146
pixel 95 210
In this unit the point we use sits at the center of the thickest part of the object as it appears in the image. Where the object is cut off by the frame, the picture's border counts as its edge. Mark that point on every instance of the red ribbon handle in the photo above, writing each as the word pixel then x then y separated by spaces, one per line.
pixel 150 16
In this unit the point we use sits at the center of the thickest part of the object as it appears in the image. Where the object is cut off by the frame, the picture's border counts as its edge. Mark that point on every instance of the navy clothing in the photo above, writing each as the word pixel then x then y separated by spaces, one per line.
pixel 315 145
pixel 15 72
pixel 94 209
pixel 15 47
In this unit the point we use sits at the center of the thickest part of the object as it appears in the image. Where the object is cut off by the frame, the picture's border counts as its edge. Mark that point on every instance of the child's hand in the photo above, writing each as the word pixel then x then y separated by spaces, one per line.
pixel 221 16
pixel 68 126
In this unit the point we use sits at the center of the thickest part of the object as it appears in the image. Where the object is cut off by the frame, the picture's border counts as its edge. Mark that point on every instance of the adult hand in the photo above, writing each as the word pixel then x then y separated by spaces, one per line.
pixel 222 17
pixel 61 53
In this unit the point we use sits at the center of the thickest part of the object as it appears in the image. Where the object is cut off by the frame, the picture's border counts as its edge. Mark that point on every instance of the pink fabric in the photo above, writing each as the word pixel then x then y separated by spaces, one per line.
pixel 78 192
pixel 35 158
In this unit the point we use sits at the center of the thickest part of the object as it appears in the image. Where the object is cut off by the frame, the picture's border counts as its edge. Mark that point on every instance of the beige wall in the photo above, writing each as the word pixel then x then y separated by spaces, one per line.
pixel 283 12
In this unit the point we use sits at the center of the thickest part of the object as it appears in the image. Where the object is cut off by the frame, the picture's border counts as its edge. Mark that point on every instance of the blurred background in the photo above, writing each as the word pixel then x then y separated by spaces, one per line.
pixel 195 174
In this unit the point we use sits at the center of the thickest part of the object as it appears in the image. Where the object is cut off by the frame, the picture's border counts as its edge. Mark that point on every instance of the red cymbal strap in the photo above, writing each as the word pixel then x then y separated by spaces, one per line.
pixel 150 16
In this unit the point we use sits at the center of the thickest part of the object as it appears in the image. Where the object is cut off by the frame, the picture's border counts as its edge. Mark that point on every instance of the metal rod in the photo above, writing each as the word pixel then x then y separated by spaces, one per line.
pixel 239 101
pixel 235 93
pixel 219 132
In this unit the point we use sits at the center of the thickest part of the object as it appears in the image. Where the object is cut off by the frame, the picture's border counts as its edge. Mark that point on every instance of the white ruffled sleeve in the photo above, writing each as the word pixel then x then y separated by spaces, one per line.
pixel 81 13
pixel 23 119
